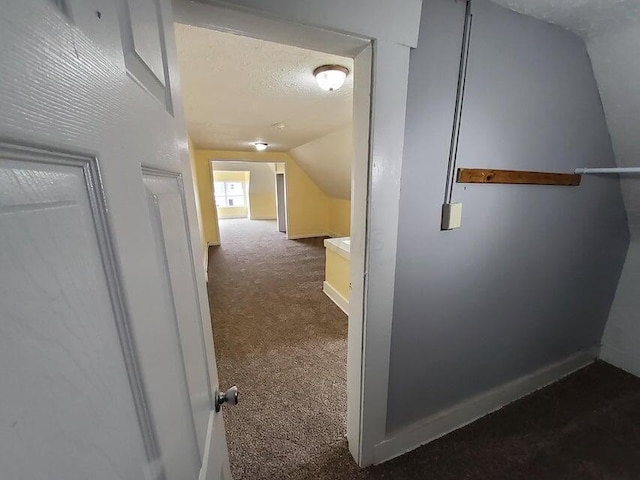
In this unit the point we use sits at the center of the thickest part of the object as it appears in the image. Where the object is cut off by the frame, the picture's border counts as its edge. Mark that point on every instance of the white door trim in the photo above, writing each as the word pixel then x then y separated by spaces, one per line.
pixel 351 28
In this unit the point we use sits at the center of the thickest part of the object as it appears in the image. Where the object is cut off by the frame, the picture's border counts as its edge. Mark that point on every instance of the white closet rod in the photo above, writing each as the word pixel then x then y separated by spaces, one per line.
pixel 608 170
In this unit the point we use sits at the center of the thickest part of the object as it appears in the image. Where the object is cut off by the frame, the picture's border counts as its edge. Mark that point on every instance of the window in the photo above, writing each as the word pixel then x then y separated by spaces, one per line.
pixel 229 194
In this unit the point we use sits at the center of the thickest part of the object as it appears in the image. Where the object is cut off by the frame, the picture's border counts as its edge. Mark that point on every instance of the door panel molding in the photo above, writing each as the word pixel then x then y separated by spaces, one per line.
pixel 166 187
pixel 146 64
pixel 92 180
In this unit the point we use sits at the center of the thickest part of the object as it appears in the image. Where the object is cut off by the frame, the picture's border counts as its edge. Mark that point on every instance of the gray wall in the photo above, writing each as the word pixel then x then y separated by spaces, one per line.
pixel 617 67
pixel 529 278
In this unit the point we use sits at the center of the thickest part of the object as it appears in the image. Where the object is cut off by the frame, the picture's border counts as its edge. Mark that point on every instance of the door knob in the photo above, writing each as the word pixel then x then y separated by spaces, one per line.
pixel 230 397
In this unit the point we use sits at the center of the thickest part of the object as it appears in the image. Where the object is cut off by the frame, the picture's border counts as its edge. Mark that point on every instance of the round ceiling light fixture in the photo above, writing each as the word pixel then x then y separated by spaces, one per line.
pixel 260 146
pixel 330 77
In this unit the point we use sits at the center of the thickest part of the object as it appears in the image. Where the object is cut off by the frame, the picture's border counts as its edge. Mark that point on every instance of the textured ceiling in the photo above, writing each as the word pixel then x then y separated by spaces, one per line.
pixel 236 88
pixel 587 18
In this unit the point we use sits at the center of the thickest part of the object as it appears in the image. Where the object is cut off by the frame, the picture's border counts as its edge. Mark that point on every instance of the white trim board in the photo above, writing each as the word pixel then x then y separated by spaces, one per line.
pixel 435 426
pixel 312 235
pixel 336 297
pixel 379 44
pixel 337 246
pixel 620 359
pixel 307 235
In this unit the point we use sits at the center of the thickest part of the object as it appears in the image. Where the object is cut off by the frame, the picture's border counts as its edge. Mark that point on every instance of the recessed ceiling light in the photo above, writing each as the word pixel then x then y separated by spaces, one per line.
pixel 260 146
pixel 279 125
pixel 330 77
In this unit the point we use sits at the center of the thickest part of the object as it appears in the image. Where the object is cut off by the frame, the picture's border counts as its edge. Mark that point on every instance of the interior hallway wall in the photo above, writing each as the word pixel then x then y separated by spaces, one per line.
pixel 261 187
pixel 612 33
pixel 208 216
pixel 307 205
pixel 339 217
pixel 616 64
pixel 237 211
pixel 327 161
pixel 530 277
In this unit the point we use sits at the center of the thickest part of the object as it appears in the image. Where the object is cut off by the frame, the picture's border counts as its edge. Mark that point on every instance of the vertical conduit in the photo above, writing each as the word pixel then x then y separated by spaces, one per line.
pixel 457 116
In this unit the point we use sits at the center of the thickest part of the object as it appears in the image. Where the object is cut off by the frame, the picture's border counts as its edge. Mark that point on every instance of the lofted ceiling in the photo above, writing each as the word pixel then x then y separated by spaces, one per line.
pixel 235 89
pixel 327 161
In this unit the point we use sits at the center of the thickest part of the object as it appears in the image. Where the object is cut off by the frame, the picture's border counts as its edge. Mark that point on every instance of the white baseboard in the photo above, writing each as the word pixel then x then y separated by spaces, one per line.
pixel 206 259
pixel 441 423
pixel 307 235
pixel 620 359
pixel 206 266
pixel 233 217
pixel 262 218
pixel 336 235
pixel 337 298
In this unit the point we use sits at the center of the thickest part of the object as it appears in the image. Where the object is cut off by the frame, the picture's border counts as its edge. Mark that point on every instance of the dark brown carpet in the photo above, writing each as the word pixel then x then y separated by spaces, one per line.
pixel 284 344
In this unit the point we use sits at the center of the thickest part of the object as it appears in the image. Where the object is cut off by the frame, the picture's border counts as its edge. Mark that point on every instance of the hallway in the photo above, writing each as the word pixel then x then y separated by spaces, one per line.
pixel 284 343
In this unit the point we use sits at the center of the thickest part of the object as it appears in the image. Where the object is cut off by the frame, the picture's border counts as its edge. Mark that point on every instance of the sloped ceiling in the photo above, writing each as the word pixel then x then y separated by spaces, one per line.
pixel 236 88
pixel 327 161
pixel 262 177
pixel 587 18
pixel 611 29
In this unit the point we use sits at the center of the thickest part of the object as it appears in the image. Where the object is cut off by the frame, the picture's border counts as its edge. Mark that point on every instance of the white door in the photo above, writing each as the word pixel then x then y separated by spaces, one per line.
pixel 106 355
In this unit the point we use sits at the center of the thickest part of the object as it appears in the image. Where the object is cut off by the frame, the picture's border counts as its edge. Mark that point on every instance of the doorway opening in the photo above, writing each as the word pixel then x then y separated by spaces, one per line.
pixel 253 190
pixel 280 223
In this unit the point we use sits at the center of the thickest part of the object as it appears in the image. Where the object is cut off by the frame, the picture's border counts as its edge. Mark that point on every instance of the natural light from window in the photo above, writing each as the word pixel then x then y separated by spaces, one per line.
pixel 229 194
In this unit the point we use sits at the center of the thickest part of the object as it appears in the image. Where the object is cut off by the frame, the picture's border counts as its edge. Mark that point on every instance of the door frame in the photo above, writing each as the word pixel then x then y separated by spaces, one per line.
pixel 284 201
pixel 378 35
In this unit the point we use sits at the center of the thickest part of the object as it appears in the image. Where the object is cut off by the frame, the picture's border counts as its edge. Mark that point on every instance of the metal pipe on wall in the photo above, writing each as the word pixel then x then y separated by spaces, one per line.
pixel 621 170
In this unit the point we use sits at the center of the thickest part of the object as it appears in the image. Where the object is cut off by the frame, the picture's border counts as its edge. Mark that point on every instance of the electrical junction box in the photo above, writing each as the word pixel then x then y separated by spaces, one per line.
pixel 451 216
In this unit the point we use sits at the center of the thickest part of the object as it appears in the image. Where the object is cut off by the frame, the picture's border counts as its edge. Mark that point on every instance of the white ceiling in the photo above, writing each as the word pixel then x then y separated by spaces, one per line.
pixel 236 88
pixel 587 18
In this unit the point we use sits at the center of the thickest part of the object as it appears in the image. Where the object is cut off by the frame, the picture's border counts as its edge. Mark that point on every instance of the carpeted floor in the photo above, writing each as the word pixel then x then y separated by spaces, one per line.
pixel 283 342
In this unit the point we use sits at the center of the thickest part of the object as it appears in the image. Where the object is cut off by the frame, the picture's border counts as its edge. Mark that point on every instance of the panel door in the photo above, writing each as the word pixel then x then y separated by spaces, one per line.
pixel 106 353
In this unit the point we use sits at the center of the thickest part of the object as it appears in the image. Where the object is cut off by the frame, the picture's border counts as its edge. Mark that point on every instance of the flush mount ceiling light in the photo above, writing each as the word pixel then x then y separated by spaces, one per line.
pixel 260 146
pixel 330 77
